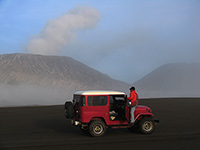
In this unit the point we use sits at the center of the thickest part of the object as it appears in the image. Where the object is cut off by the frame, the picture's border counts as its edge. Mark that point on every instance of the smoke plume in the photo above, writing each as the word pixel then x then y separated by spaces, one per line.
pixel 59 31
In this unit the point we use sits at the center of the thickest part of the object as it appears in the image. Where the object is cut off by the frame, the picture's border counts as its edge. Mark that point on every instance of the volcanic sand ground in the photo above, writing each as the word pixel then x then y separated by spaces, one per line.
pixel 46 128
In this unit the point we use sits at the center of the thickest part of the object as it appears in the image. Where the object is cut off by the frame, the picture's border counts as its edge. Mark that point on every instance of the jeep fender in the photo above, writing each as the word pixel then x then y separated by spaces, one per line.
pixel 98 118
pixel 140 116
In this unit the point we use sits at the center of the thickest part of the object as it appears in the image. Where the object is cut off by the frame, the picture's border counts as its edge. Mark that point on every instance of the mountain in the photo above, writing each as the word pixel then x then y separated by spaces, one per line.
pixel 39 79
pixel 171 80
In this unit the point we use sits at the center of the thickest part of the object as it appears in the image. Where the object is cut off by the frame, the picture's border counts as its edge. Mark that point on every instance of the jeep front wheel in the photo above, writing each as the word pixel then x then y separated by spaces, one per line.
pixel 97 128
pixel 146 125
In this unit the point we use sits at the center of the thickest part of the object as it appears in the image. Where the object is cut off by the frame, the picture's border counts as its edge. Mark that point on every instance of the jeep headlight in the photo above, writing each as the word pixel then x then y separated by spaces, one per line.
pixel 149 110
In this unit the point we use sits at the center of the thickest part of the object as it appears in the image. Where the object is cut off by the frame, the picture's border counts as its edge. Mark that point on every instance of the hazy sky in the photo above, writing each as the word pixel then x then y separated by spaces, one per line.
pixel 125 39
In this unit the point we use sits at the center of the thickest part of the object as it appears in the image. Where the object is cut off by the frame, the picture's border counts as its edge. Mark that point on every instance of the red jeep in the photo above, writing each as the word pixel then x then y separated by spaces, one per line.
pixel 94 111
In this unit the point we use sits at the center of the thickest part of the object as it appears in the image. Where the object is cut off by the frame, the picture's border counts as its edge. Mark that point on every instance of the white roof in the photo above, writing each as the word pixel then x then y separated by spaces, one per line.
pixel 99 92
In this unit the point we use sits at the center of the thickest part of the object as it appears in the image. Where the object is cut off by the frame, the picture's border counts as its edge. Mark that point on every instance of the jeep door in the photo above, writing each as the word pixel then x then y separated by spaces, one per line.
pixel 96 107
pixel 118 110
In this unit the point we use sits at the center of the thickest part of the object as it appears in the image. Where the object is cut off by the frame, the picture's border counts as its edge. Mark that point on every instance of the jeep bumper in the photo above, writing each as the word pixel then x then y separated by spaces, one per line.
pixel 76 123
pixel 156 120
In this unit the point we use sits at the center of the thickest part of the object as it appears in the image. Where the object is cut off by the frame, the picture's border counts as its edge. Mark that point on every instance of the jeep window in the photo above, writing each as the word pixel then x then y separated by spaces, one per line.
pixel 82 101
pixel 97 100
pixel 111 100
pixel 76 99
pixel 119 99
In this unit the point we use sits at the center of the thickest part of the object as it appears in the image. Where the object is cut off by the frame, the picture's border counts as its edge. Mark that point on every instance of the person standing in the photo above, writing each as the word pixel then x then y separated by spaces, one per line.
pixel 134 102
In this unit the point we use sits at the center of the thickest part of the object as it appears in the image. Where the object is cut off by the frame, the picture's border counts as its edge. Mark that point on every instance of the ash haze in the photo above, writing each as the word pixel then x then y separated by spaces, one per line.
pixel 125 39
pixel 24 95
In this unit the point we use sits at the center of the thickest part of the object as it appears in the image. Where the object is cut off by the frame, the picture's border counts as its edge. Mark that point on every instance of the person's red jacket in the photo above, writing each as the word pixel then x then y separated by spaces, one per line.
pixel 134 98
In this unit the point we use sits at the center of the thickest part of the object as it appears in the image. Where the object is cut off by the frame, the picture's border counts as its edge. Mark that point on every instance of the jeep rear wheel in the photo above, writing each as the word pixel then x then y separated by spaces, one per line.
pixel 146 125
pixel 97 128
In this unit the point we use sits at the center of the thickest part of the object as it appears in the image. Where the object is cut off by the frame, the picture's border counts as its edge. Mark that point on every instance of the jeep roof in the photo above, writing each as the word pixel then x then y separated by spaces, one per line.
pixel 99 92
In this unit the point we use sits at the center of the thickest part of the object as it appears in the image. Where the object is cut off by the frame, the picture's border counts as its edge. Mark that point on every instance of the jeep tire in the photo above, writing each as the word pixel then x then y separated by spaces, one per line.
pixel 97 128
pixel 69 110
pixel 146 125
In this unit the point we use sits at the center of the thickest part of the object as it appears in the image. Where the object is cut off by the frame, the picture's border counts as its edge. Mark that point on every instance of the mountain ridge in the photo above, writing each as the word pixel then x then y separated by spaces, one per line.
pixel 60 67
pixel 57 73
pixel 171 80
